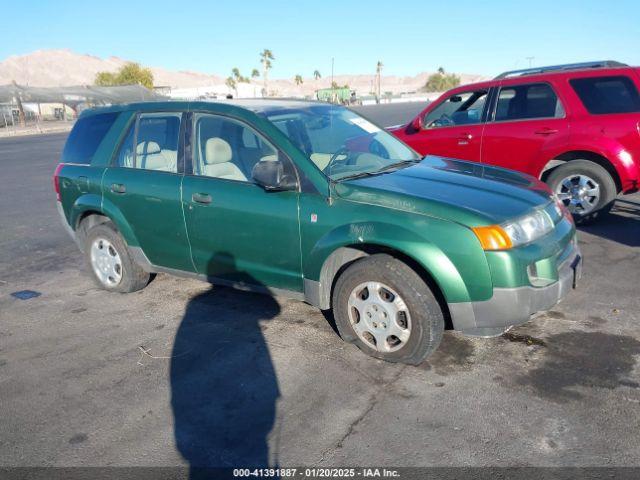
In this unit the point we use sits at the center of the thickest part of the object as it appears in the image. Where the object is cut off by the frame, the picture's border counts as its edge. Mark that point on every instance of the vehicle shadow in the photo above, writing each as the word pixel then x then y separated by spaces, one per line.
pixel 622 225
pixel 223 383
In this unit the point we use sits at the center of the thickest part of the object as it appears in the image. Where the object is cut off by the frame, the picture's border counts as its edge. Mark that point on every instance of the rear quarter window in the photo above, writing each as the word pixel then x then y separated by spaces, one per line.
pixel 601 95
pixel 86 136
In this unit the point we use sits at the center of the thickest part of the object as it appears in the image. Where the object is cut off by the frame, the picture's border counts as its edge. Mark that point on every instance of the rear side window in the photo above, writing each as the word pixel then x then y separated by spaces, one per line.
pixel 155 146
pixel 86 136
pixel 520 102
pixel 601 95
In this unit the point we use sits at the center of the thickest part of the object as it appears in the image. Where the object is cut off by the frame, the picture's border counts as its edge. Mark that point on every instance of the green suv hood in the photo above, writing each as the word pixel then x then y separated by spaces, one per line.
pixel 465 192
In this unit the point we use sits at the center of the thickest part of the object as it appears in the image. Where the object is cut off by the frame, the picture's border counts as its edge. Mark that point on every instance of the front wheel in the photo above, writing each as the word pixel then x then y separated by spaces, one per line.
pixel 387 310
pixel 586 189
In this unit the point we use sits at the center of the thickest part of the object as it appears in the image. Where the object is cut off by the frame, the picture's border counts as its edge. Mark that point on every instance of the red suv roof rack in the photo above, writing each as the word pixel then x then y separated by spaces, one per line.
pixel 567 66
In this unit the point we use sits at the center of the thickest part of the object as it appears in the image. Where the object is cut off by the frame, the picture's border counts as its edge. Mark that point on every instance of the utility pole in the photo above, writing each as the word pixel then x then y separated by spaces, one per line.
pixel 332 82
pixel 530 59
pixel 21 116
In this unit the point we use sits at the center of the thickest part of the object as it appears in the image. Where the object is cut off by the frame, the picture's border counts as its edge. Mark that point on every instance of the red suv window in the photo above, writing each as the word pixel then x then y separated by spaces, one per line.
pixel 601 95
pixel 535 100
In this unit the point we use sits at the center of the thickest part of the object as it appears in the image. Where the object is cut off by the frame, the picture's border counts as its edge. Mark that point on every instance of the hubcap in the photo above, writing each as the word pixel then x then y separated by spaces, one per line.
pixel 106 262
pixel 579 193
pixel 379 316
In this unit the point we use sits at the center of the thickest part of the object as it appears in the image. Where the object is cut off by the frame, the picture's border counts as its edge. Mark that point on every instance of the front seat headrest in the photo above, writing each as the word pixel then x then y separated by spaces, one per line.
pixel 217 151
pixel 147 148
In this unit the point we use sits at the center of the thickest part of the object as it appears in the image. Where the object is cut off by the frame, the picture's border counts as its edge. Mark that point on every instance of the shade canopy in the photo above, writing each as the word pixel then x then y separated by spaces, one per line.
pixel 74 96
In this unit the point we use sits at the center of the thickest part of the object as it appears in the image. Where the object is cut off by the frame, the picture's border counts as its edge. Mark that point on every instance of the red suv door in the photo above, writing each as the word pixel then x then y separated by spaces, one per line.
pixel 527 125
pixel 451 127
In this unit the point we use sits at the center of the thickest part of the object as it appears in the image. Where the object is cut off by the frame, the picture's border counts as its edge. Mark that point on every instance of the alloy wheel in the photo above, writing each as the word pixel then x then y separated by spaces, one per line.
pixel 579 193
pixel 379 316
pixel 106 262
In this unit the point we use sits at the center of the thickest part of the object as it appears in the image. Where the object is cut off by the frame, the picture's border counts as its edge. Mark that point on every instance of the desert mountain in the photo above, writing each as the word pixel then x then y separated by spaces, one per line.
pixel 51 68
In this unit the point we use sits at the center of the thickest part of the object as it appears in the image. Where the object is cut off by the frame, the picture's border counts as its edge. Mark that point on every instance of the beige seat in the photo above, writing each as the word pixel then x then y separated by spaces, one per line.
pixel 217 161
pixel 151 157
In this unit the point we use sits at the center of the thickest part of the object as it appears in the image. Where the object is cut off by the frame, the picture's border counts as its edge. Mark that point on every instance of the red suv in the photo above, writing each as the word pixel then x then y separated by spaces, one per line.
pixel 577 127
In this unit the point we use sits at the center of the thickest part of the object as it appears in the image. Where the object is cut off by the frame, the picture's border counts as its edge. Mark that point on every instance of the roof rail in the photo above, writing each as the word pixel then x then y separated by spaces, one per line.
pixel 567 66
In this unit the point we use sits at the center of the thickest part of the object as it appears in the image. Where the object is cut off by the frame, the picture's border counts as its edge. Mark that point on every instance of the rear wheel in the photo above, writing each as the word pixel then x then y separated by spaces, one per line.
pixel 586 189
pixel 109 262
pixel 387 310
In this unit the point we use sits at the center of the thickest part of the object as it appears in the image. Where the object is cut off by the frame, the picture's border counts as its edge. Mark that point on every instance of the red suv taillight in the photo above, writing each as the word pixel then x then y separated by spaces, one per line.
pixel 56 180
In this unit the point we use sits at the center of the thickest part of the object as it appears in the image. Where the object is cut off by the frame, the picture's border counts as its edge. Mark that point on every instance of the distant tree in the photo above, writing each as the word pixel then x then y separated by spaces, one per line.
pixel 316 75
pixel 105 79
pixel 266 59
pixel 235 73
pixel 255 73
pixel 129 74
pixel 441 81
pixel 232 84
pixel 298 80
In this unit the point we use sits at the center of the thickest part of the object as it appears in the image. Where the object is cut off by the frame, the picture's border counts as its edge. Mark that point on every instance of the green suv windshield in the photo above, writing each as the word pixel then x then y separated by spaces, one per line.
pixel 339 142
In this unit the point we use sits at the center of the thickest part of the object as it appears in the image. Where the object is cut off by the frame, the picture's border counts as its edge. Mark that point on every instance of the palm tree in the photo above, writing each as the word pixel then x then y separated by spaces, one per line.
pixel 232 84
pixel 266 57
pixel 298 80
pixel 378 75
pixel 235 73
pixel 255 73
pixel 317 76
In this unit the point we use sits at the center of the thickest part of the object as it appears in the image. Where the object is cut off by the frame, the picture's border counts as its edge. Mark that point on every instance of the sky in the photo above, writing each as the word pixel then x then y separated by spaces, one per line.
pixel 408 37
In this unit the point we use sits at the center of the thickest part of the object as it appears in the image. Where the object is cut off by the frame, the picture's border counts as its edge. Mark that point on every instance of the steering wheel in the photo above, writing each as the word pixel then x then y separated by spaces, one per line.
pixel 376 148
pixel 444 121
pixel 341 151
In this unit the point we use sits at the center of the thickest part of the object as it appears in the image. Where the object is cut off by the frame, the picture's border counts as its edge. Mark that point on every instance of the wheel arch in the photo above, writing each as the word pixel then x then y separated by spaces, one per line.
pixel 342 257
pixel 94 210
pixel 594 157
pixel 86 221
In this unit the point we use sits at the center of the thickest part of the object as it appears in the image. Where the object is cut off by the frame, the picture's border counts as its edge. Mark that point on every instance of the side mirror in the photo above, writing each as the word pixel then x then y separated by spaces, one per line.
pixel 418 123
pixel 271 175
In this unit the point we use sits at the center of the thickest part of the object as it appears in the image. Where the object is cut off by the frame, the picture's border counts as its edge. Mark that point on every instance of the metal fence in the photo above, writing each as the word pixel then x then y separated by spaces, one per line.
pixel 39 107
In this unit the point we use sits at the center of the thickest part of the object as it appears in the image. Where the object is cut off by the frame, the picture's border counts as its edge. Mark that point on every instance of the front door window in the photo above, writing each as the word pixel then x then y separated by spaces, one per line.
pixel 459 109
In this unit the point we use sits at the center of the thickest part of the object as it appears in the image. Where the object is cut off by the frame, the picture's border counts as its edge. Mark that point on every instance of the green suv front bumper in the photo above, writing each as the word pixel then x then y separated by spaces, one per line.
pixel 513 306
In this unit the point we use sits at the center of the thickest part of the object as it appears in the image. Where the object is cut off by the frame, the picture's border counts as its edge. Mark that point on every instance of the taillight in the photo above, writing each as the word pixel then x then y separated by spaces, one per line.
pixel 56 180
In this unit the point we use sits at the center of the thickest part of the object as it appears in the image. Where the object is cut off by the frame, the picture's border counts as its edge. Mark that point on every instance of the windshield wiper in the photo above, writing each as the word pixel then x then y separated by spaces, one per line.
pixel 397 165
pixel 353 176
pixel 385 169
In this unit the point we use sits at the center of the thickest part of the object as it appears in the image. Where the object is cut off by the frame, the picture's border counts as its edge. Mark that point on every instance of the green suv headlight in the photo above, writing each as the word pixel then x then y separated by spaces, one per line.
pixel 522 230
pixel 528 228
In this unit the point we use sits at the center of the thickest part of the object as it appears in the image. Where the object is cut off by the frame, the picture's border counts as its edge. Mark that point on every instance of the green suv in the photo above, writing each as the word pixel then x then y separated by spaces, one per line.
pixel 312 201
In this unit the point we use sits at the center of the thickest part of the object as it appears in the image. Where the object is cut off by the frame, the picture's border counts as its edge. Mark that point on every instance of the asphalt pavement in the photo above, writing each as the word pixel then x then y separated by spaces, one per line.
pixel 182 373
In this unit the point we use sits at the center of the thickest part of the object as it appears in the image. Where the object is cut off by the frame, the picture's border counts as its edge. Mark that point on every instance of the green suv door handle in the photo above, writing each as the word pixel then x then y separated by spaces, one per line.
pixel 118 188
pixel 203 198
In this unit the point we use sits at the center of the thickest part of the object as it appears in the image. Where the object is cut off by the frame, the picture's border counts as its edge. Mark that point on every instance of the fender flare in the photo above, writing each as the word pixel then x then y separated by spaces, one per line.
pixel 347 243
pixel 95 203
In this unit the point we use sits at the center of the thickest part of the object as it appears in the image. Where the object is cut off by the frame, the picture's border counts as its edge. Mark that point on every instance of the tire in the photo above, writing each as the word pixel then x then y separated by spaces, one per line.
pixel 119 272
pixel 597 175
pixel 419 325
